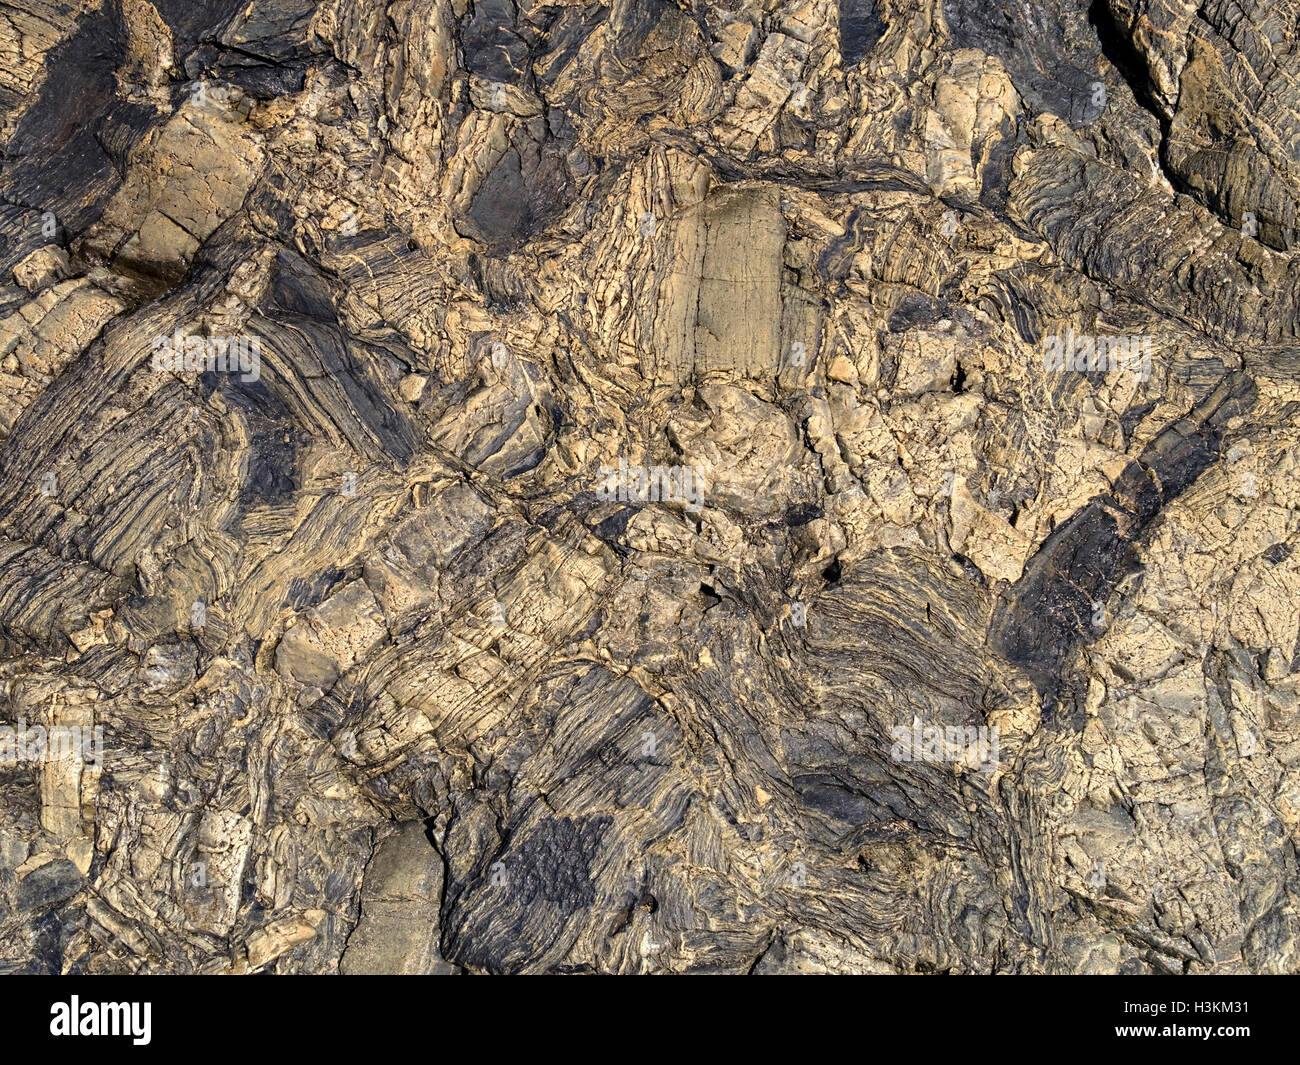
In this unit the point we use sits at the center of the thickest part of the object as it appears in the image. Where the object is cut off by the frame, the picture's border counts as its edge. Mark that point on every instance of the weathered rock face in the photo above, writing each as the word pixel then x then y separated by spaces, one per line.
pixel 641 487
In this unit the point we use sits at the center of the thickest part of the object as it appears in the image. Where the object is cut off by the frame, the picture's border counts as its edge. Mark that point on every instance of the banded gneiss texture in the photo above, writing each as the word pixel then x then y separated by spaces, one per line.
pixel 407 645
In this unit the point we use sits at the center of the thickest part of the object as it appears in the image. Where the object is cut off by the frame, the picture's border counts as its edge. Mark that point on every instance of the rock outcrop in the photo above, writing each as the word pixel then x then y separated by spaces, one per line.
pixel 649 487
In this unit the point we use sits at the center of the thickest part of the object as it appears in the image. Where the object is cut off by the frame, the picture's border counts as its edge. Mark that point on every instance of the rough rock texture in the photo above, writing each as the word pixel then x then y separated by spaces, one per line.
pixel 393 674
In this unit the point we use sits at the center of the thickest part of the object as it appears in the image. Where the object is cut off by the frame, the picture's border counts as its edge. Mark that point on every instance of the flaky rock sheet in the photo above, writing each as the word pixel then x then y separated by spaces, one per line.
pixel 647 487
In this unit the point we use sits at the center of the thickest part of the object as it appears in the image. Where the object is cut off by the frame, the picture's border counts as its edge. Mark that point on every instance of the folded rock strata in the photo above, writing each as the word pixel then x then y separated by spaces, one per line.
pixel 407 644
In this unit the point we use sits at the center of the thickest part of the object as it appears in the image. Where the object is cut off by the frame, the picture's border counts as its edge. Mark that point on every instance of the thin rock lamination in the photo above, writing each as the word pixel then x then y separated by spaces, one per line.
pixel 976 655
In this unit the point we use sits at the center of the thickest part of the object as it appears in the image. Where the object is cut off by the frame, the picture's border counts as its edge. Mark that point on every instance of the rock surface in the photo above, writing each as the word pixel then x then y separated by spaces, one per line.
pixel 649 487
